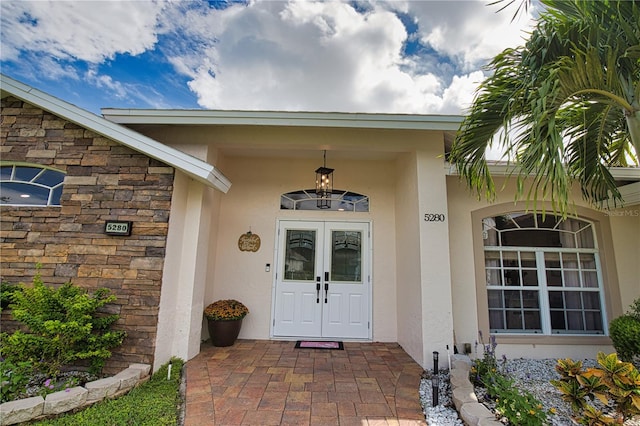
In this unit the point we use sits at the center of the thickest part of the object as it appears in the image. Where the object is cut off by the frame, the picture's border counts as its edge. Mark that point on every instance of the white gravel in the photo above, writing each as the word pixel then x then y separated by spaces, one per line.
pixel 532 375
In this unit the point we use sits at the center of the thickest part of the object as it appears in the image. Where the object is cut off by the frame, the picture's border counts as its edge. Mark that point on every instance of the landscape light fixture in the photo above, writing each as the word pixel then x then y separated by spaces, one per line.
pixel 324 185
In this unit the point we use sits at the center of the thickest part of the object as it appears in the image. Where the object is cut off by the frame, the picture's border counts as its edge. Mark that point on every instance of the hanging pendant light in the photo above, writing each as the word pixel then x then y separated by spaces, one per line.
pixel 324 185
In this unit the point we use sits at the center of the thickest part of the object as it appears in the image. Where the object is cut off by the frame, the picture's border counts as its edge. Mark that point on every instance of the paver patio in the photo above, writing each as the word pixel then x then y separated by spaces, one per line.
pixel 269 382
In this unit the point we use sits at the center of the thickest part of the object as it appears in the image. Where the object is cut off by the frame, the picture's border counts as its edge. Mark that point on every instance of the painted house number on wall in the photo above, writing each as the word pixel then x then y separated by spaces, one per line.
pixel 434 217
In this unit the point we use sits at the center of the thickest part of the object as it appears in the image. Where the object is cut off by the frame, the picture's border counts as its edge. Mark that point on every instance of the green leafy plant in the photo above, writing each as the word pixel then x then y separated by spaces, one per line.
pixel 62 326
pixel 615 383
pixel 487 364
pixel 6 293
pixel 226 310
pixel 14 378
pixel 625 334
pixel 519 407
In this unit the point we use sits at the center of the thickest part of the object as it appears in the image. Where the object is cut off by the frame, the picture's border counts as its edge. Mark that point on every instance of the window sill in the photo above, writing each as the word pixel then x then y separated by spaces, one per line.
pixel 558 339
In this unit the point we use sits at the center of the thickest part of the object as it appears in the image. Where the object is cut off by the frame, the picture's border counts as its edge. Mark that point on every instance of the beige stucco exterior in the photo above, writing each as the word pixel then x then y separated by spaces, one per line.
pixel 426 290
pixel 401 171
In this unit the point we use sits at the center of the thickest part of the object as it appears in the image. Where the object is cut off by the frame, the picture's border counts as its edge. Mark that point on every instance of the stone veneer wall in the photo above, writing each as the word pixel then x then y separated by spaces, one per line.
pixel 104 181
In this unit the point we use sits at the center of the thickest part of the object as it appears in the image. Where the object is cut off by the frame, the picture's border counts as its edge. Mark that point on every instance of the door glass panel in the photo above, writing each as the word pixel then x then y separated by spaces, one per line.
pixel 300 256
pixel 346 254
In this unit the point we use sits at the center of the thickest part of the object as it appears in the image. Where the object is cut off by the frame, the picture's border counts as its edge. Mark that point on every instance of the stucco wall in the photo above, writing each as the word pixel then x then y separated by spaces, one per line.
pixel 409 291
pixel 253 204
pixel 104 181
pixel 625 230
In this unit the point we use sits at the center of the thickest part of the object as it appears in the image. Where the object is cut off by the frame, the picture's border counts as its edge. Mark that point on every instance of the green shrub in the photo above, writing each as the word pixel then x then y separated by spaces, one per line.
pixel 63 326
pixel 625 334
pixel 635 309
pixel 6 293
pixel 14 379
pixel 616 384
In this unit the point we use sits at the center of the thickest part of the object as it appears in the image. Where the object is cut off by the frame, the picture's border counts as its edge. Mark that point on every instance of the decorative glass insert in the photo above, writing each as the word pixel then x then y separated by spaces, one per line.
pixel 542 275
pixel 307 199
pixel 30 186
pixel 300 258
pixel 346 256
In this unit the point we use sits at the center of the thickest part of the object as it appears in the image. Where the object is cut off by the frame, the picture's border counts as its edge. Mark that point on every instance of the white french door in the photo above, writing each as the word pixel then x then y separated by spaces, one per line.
pixel 322 286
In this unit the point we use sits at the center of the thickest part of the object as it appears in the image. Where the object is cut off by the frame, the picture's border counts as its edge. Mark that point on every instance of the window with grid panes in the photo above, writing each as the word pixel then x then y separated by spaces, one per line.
pixel 542 275
pixel 30 185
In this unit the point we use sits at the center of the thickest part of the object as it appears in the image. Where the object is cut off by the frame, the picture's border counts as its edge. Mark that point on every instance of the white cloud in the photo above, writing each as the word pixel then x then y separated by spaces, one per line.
pixel 91 31
pixel 471 30
pixel 306 56
pixel 275 55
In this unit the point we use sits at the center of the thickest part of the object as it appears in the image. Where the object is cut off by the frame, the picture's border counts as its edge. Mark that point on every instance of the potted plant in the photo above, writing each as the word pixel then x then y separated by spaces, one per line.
pixel 224 318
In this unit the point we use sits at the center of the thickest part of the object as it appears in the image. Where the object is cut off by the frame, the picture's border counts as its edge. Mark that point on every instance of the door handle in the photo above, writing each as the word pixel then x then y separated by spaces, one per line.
pixel 318 289
pixel 326 286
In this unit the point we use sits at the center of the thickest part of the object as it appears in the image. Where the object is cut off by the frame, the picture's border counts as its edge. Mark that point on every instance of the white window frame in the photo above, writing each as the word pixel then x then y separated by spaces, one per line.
pixel 542 287
pixel 341 200
pixel 32 183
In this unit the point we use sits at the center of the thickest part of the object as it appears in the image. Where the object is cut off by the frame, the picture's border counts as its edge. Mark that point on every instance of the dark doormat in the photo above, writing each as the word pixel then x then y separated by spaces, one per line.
pixel 314 344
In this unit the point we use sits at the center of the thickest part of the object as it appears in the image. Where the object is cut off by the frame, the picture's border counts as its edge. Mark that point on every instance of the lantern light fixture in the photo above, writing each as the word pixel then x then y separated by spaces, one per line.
pixel 324 184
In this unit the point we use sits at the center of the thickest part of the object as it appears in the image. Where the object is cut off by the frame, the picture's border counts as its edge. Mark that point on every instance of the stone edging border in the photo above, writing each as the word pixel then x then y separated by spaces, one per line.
pixel 23 410
pixel 464 397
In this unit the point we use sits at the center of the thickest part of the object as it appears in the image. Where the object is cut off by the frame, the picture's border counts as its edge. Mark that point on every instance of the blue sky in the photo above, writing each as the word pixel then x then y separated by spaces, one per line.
pixel 421 57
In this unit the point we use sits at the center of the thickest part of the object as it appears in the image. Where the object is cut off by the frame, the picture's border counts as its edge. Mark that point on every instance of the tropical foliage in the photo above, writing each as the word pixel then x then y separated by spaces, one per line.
pixel 564 107
pixel 614 384
pixel 61 327
pixel 226 310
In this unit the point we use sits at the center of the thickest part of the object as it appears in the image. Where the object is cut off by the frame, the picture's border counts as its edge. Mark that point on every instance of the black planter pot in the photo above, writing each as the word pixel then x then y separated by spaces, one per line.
pixel 224 333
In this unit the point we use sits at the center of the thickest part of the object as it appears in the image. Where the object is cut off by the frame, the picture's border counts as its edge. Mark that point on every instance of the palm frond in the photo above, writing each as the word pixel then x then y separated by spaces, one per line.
pixel 565 106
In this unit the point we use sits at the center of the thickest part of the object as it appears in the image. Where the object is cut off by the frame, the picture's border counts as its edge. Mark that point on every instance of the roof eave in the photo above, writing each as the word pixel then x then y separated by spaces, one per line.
pixel 283 118
pixel 193 167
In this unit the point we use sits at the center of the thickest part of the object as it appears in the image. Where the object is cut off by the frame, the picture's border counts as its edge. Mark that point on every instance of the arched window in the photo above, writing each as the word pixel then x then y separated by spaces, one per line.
pixel 306 199
pixel 543 275
pixel 30 185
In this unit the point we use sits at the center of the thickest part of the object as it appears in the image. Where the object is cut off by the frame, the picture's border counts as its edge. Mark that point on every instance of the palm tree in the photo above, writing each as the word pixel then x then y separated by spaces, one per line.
pixel 564 107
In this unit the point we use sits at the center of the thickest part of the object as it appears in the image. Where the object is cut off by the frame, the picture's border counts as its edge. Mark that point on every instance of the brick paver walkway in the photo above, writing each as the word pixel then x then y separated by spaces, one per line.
pixel 268 382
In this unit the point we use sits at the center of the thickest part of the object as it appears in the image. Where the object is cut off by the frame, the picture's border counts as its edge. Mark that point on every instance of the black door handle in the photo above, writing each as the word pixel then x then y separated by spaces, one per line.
pixel 318 289
pixel 326 290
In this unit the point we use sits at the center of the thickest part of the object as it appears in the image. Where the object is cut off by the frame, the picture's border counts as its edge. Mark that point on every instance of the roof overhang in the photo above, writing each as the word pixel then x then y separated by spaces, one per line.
pixel 628 177
pixel 449 123
pixel 192 166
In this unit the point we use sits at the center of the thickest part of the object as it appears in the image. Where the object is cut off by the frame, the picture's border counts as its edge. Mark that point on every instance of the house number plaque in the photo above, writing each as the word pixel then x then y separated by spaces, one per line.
pixel 117 227
pixel 249 242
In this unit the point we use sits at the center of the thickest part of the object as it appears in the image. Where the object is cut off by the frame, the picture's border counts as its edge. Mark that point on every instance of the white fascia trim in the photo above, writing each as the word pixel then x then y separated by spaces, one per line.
pixel 276 118
pixel 501 169
pixel 197 169
pixel 630 194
